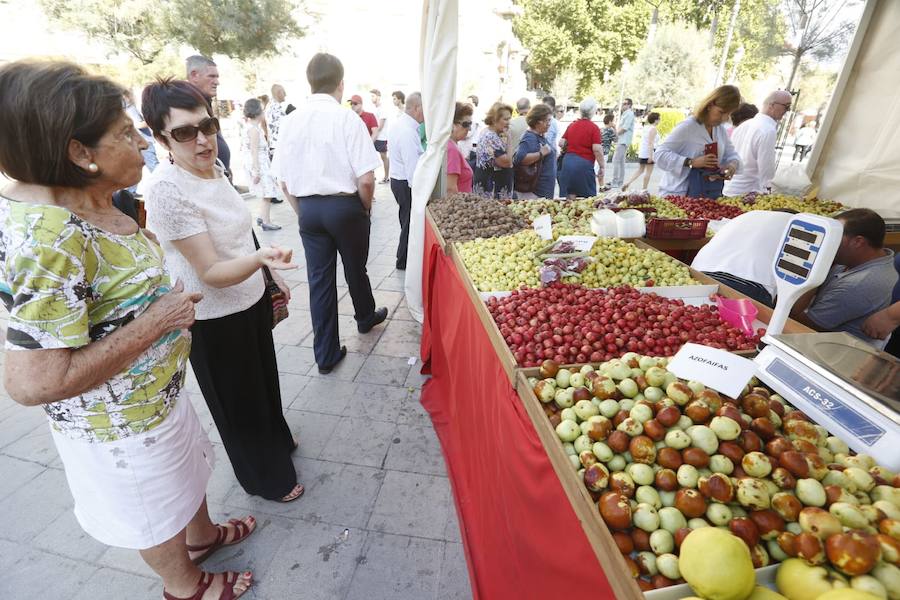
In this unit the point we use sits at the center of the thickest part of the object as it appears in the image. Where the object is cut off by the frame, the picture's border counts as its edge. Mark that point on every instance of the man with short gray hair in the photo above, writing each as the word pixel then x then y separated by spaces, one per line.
pixel 204 74
pixel 404 148
pixel 754 141
pixel 518 126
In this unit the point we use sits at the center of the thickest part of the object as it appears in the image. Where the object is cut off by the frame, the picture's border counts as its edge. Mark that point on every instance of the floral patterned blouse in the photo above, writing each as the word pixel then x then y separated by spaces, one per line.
pixel 67 284
pixel 490 146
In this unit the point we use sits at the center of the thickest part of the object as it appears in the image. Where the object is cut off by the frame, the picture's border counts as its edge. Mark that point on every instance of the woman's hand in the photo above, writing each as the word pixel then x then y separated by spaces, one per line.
pixel 174 310
pixel 707 161
pixel 275 257
pixel 545 150
pixel 282 285
pixel 729 171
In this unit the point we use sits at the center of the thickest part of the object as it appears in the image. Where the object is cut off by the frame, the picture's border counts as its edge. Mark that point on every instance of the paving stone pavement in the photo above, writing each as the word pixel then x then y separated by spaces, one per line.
pixel 377 520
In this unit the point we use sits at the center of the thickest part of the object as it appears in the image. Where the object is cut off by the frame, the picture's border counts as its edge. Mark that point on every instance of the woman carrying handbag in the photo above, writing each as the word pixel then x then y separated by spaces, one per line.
pixel 535 160
pixel 206 232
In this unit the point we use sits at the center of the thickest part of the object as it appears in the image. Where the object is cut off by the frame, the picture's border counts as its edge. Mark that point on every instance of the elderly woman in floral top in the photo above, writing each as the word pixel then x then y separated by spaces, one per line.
pixel 98 335
pixel 493 160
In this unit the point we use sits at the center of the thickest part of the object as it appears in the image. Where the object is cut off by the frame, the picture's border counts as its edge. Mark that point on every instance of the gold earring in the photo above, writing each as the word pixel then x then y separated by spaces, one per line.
pixel 93 168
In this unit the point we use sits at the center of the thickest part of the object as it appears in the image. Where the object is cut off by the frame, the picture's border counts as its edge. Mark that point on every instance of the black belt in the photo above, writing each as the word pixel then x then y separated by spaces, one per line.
pixel 326 196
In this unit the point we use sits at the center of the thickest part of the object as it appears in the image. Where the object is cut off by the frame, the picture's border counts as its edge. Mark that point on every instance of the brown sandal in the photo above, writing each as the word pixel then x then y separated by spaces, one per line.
pixel 243 530
pixel 206 580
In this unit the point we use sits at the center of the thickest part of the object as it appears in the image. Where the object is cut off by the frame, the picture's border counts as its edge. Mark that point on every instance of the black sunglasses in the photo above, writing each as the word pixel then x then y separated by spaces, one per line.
pixel 465 124
pixel 188 133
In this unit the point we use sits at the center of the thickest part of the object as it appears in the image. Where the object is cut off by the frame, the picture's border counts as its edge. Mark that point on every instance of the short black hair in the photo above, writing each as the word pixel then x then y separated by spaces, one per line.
pixel 160 97
pixel 549 101
pixel 324 73
pixel 629 102
pixel 474 99
pixel 864 222
pixel 653 118
pixel 400 95
pixel 252 108
pixel 607 119
pixel 44 105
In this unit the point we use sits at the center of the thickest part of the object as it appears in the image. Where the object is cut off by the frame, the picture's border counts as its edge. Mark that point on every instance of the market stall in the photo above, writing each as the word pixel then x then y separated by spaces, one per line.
pixel 530 526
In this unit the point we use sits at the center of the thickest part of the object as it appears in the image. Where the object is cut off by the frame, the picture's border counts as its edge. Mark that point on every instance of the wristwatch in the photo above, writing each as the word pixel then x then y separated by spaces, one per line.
pixel 687 162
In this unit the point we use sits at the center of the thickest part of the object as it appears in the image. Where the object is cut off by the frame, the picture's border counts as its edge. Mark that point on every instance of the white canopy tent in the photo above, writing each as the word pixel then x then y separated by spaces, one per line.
pixel 855 161
pixel 438 46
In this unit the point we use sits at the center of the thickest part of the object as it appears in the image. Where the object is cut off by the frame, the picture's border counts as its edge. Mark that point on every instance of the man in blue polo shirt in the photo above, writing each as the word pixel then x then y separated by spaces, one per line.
pixel 859 284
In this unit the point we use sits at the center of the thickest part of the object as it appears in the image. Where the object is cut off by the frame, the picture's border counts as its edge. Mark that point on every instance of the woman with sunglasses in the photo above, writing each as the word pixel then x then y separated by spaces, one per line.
pixel 206 232
pixel 698 156
pixel 97 331
pixel 459 173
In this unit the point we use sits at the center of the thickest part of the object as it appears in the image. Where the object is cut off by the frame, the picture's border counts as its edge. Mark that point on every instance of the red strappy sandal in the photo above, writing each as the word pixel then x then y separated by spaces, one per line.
pixel 206 580
pixel 243 531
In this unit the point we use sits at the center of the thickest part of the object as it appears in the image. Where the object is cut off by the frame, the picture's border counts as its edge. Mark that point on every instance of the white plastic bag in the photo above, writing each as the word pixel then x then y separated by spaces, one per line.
pixel 791 180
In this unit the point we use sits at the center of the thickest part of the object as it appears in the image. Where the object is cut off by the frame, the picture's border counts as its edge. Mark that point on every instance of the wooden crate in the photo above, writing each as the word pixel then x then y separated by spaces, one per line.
pixel 437 231
pixel 598 535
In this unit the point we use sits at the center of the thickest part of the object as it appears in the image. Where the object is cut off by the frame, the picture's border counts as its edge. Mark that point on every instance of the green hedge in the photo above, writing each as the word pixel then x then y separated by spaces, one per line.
pixel 668 119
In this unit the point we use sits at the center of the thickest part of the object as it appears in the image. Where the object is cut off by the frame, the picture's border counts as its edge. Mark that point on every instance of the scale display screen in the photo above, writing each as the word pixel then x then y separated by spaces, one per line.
pixel 799 251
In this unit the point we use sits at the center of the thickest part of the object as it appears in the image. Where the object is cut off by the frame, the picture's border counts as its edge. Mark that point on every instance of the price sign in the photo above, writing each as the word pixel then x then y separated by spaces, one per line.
pixel 543 225
pixel 720 370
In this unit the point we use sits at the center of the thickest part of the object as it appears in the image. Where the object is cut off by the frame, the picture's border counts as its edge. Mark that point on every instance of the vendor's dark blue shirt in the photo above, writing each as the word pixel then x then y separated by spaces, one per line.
pixel 532 142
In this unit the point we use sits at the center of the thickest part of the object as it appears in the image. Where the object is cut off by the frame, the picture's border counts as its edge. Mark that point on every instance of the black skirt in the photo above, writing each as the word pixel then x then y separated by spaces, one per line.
pixel 233 358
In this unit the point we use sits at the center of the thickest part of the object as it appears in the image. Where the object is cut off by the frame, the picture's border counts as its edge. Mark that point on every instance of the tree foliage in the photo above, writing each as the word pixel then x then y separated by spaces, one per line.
pixel 821 28
pixel 143 29
pixel 131 26
pixel 240 29
pixel 673 69
pixel 591 36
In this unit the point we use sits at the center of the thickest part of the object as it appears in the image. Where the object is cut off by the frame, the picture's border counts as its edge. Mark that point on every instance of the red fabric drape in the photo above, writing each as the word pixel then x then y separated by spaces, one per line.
pixel 522 538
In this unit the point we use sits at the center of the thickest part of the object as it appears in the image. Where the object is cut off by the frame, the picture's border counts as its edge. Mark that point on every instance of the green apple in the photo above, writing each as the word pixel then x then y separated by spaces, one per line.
pixel 799 581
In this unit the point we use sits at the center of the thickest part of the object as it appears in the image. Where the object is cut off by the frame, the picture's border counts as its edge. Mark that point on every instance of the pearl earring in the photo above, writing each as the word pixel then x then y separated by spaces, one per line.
pixel 93 168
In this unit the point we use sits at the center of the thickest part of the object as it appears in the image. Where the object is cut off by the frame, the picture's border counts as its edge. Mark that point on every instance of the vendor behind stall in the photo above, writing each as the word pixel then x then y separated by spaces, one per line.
pixel 741 253
pixel 698 157
pixel 859 284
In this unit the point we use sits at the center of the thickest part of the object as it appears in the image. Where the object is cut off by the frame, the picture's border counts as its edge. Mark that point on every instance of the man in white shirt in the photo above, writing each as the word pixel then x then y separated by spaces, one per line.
pixel 404 150
pixel 518 126
pixel 741 253
pixel 754 141
pixel 552 134
pixel 326 164
pixel 380 133
pixel 625 133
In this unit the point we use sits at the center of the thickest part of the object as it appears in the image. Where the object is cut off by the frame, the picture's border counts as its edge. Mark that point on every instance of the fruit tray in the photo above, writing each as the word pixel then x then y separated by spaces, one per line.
pixel 676 229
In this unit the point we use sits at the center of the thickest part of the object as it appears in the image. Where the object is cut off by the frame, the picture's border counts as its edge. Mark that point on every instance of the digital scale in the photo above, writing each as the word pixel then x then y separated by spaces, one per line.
pixel 842 383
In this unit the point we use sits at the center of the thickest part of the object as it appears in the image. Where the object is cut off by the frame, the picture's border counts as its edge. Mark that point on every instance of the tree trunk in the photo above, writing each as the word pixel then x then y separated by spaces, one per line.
pixel 728 35
pixel 713 27
pixel 798 56
pixel 654 21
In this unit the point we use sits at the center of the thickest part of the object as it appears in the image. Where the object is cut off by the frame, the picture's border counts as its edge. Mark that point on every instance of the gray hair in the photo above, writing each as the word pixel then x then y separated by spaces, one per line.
pixel 413 101
pixel 197 62
pixel 588 107
pixel 523 105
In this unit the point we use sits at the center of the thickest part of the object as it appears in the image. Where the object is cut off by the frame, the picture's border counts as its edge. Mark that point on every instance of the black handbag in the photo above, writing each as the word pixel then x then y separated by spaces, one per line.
pixel 276 296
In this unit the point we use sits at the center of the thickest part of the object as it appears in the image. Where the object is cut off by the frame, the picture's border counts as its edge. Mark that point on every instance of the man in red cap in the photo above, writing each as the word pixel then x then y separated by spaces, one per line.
pixel 367 117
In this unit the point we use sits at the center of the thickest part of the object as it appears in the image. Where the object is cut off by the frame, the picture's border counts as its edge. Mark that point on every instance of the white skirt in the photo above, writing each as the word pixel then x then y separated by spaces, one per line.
pixel 140 491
